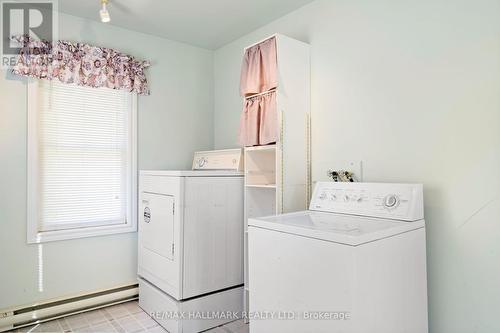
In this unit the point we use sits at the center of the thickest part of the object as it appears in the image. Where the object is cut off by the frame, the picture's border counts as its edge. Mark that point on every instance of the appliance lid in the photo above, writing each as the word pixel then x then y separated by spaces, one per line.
pixel 338 228
pixel 192 173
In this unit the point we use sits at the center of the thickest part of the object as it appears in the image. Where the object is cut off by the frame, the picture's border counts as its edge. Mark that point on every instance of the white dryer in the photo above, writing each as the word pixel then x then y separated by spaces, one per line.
pixel 354 263
pixel 190 247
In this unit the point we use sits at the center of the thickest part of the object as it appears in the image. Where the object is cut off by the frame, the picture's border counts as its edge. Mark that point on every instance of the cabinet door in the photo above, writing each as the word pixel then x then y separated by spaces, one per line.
pixel 213 234
pixel 157 224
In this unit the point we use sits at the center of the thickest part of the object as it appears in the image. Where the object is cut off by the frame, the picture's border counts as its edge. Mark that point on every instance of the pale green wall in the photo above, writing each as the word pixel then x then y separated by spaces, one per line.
pixel 174 121
pixel 412 89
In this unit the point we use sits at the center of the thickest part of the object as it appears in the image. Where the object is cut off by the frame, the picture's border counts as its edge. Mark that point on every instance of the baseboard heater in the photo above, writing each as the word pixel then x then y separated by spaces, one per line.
pixel 14 318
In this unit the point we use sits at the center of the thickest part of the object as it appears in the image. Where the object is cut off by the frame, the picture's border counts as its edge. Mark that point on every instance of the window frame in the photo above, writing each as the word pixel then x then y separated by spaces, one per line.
pixel 34 236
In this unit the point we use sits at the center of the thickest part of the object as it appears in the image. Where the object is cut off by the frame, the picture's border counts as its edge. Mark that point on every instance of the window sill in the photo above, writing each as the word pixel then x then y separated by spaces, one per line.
pixel 58 235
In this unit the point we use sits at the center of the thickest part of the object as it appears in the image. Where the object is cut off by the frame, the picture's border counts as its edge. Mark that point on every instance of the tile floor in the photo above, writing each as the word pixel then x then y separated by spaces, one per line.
pixel 121 318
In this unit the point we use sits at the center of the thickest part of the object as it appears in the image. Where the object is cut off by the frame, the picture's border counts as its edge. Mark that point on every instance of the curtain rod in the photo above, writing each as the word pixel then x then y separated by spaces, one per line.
pixel 261 41
pixel 260 94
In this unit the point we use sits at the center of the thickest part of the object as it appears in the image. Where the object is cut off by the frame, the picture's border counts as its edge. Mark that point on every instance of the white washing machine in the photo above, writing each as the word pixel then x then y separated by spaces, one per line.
pixel 191 242
pixel 355 262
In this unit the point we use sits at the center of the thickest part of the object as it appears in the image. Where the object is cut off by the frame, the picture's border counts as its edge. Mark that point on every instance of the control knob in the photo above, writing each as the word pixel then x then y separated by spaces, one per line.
pixel 391 201
pixel 202 161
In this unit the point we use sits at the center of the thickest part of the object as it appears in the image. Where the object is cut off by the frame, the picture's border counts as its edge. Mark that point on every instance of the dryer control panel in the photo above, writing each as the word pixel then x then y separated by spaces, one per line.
pixel 392 201
pixel 228 159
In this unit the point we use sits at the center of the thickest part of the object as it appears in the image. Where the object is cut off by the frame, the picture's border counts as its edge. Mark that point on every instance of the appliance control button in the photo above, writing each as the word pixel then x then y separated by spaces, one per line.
pixel 333 197
pixel 202 161
pixel 346 198
pixel 391 201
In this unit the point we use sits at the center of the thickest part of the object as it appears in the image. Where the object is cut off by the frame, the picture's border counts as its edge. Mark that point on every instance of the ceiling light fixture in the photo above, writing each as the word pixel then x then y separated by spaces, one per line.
pixel 105 18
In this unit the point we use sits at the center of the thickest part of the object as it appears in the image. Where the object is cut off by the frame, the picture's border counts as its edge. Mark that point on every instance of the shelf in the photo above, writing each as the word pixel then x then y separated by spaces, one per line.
pixel 260 166
pixel 261 148
pixel 260 172
pixel 261 186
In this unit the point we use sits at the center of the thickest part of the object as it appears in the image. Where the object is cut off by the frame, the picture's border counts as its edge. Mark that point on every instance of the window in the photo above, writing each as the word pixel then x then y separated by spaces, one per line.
pixel 82 173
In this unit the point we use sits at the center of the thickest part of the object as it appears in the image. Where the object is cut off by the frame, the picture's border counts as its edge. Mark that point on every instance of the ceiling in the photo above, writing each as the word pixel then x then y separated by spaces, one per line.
pixel 205 23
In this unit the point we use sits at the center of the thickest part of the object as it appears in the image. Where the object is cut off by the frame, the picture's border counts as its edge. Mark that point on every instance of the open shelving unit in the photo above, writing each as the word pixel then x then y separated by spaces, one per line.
pixel 261 183
pixel 277 176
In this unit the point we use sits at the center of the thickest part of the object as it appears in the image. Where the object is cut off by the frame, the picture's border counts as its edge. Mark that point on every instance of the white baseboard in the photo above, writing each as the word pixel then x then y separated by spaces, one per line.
pixel 14 318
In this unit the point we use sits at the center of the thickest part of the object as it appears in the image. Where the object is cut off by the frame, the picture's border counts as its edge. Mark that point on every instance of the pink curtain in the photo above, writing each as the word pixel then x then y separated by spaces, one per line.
pixel 81 64
pixel 259 74
pixel 259 121
pixel 259 70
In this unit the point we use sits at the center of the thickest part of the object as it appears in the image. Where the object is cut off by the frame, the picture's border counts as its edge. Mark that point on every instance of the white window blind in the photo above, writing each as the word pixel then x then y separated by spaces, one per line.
pixel 83 156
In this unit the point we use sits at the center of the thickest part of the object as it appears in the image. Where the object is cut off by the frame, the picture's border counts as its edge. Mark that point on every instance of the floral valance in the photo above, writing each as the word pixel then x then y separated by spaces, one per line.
pixel 81 64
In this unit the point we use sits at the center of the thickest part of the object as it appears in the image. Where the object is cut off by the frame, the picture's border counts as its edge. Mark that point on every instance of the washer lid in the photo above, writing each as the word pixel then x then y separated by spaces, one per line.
pixel 338 228
pixel 192 173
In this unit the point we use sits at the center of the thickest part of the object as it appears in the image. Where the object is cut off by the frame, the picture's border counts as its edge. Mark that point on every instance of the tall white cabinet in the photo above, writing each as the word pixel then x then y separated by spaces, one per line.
pixel 277 177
